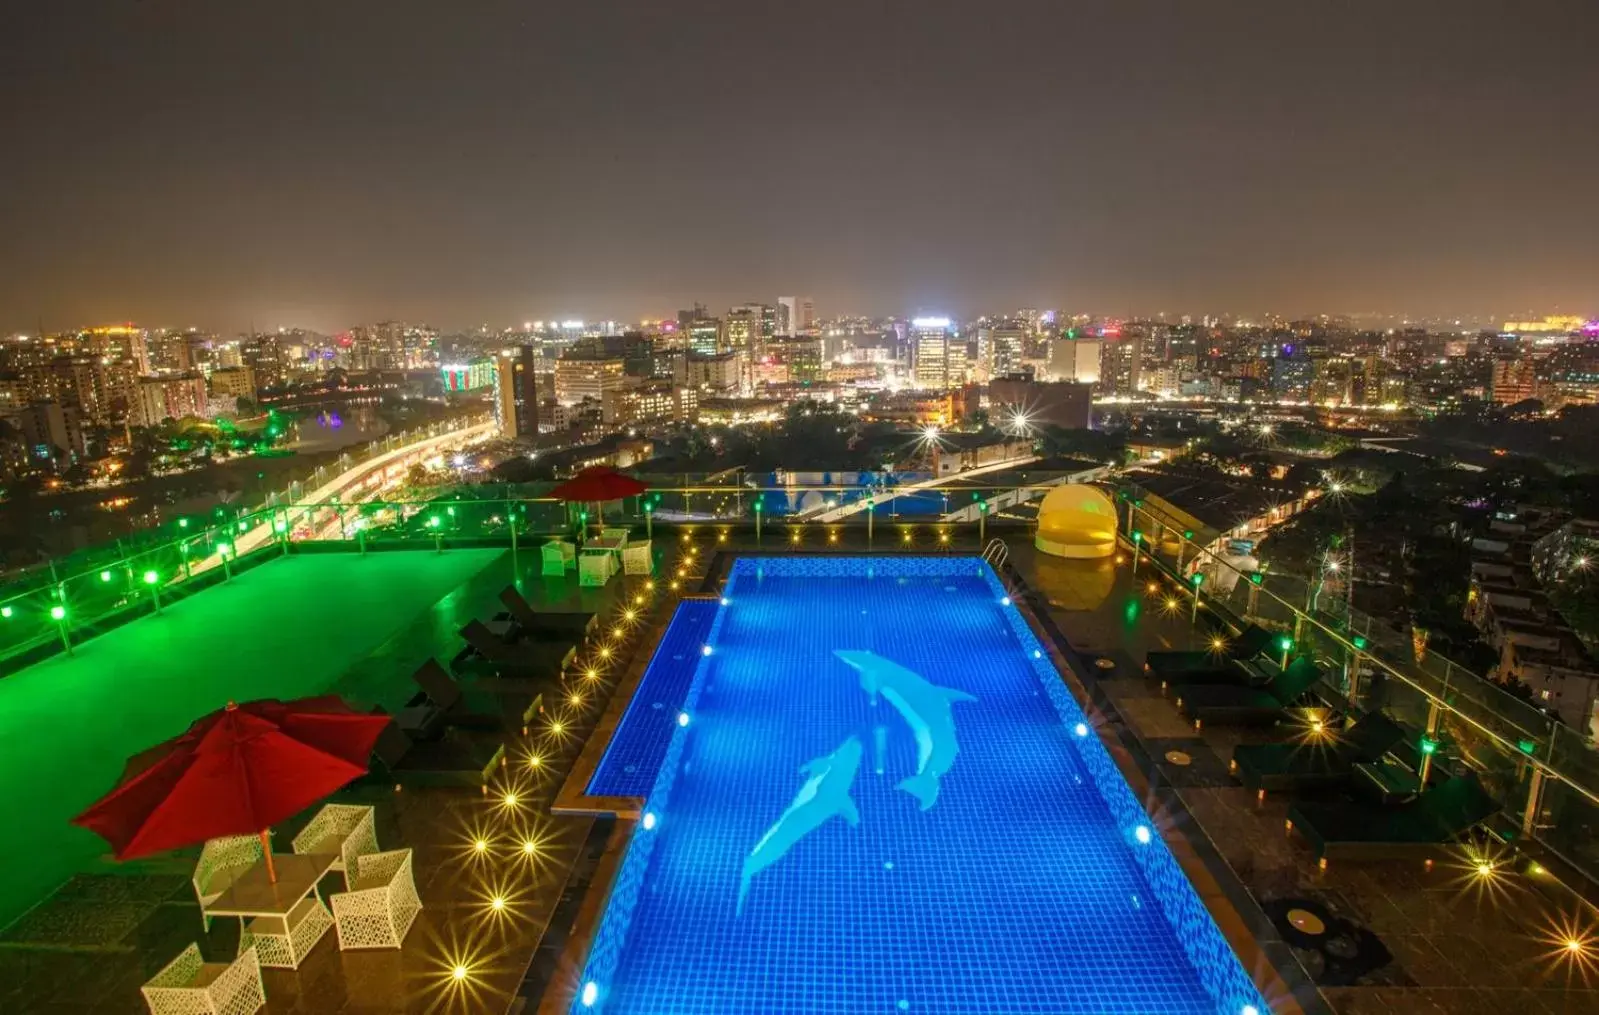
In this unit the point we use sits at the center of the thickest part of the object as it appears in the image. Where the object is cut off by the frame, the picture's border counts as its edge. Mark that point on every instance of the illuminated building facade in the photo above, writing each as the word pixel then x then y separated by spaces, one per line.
pixel 516 396
pixel 172 397
pixel 930 341
pixel 578 377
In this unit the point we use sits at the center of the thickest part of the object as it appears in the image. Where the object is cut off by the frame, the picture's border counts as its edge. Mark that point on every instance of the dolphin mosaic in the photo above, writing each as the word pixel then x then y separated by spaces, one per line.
pixel 825 795
pixel 925 708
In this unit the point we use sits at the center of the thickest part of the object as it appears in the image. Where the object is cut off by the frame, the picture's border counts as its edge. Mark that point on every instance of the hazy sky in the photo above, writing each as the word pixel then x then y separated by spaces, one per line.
pixel 320 163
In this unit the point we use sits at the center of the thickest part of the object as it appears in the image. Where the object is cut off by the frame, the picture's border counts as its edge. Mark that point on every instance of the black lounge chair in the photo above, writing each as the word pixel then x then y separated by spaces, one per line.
pixel 516 668
pixel 1240 672
pixel 535 626
pixel 1251 642
pixel 1319 761
pixel 441 701
pixel 1424 825
pixel 1238 705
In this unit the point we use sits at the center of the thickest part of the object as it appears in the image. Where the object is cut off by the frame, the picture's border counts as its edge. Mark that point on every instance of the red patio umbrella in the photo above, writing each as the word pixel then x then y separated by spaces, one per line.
pixel 599 484
pixel 237 771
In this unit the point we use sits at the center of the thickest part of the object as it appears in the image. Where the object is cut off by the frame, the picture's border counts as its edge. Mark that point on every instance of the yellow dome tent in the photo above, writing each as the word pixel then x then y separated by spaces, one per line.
pixel 1077 521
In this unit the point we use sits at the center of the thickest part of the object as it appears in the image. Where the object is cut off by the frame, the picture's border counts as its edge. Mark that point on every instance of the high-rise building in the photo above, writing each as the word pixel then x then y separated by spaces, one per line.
pixel 233 382
pixel 51 431
pixel 265 356
pixel 705 336
pixel 174 396
pixel 1119 363
pixel 1003 349
pixel 1073 359
pixel 796 315
pixel 650 403
pixel 1292 374
pixel 930 345
pixel 578 377
pixel 516 394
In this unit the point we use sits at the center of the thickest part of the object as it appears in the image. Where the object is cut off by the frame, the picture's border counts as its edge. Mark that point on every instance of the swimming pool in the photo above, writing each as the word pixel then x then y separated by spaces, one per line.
pixel 881 798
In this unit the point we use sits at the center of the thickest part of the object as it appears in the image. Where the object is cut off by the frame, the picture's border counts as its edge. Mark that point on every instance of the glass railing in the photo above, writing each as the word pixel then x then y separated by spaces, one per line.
pixel 1544 773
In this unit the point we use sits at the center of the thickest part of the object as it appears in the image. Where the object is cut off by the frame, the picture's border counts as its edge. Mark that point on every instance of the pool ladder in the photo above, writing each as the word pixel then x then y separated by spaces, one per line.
pixel 996 553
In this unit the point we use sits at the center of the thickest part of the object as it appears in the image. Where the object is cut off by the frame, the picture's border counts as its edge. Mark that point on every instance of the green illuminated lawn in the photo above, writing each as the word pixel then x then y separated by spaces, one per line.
pixel 287 629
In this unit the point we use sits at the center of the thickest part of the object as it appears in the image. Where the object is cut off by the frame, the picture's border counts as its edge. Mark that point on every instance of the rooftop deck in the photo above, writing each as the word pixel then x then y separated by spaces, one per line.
pixel 1400 939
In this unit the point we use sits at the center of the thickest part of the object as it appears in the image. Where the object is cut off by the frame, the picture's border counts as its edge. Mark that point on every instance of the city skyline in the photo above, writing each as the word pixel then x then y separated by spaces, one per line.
pixel 289 164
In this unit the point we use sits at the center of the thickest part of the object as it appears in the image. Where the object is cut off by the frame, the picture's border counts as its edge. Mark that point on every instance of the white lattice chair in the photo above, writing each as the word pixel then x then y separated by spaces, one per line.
pixel 637 558
pixel 557 557
pixel 618 534
pixel 381 904
pixel 284 941
pixel 191 986
pixel 595 567
pixel 221 862
pixel 346 829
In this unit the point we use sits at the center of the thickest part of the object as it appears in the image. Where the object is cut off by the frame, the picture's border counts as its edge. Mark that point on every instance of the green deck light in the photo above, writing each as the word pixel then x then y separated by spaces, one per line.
pixel 1255 577
pixel 105 576
pixel 183 523
pixel 1188 533
pixel 1198 579
pixel 450 510
pixel 6 611
pixel 223 549
pixel 433 521
pixel 1138 537
pixel 1525 746
pixel 1359 642
pixel 150 577
pixel 1285 643
pixel 58 613
pixel 280 526
pixel 1429 745
pixel 244 526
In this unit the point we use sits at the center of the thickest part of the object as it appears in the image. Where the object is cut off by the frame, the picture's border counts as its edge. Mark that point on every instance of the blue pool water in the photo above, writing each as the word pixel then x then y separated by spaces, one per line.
pixel 632 761
pixel 1022 887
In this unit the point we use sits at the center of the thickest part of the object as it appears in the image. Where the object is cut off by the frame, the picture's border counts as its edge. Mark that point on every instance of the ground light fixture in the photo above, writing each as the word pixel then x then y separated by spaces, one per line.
pixel 649 820
pixel 151 577
pixel 591 993
pixel 705 650
pixel 6 611
pixel 1142 834
pixel 1081 729
pixel 58 613
pixel 682 718
pixel 105 576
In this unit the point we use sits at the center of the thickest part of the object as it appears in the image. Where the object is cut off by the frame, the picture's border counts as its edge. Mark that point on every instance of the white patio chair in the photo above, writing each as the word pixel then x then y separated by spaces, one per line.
pixel 345 829
pixel 619 534
pixel 595 567
pixel 637 558
pixel 284 941
pixel 381 904
pixel 557 558
pixel 221 862
pixel 190 986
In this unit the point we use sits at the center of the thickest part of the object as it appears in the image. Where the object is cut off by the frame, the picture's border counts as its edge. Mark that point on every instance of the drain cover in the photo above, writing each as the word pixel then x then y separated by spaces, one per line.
pixel 1105 664
pixel 1179 758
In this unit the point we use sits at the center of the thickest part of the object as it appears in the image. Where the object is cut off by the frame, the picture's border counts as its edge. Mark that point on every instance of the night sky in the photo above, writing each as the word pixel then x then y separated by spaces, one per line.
pixel 219 163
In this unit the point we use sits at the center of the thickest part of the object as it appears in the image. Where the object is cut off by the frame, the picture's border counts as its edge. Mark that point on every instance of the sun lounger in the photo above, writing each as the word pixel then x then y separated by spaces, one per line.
pixel 1242 672
pixel 1319 760
pixel 536 626
pixel 1251 642
pixel 440 691
pixel 1424 826
pixel 487 654
pixel 1237 705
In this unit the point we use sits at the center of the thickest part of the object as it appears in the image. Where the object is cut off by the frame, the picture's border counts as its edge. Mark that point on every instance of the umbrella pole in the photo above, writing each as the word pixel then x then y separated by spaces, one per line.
pixel 266 851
